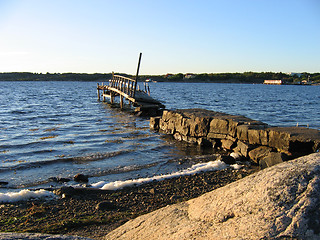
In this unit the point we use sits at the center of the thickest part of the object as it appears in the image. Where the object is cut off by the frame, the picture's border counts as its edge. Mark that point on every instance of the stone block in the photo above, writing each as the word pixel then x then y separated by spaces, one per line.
pixel 254 136
pixel 218 125
pixel 171 125
pixel 271 159
pixel 258 153
pixel 279 139
pixel 177 136
pixel 170 115
pixel 242 148
pixel 162 124
pixel 154 123
pixel 232 127
pixel 166 115
pixel 189 139
pixel 164 127
pixel 227 144
pixel 299 139
pixel 216 136
pixel 264 137
pixel 231 138
pixel 198 127
pixel 242 132
pixel 182 126
pixel 257 135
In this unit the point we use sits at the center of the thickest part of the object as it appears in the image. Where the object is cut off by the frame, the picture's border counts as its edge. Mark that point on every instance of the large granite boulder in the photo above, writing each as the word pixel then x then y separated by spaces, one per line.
pixel 277 202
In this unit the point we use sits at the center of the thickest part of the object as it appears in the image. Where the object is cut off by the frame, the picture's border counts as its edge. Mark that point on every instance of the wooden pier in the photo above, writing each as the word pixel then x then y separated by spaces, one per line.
pixel 128 89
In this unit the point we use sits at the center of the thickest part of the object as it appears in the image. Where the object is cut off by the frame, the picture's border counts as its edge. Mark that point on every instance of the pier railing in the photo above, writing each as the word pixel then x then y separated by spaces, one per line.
pixel 124 84
pixel 127 88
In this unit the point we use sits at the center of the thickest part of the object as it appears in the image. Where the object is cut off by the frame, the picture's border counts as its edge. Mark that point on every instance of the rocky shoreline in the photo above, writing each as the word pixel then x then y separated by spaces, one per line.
pixel 250 139
pixel 94 213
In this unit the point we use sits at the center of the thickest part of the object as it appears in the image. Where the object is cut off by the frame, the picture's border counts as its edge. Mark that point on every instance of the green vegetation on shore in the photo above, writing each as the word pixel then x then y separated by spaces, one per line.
pixel 246 77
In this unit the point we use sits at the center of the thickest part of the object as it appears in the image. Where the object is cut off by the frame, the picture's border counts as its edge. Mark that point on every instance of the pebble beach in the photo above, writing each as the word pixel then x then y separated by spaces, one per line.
pixel 93 213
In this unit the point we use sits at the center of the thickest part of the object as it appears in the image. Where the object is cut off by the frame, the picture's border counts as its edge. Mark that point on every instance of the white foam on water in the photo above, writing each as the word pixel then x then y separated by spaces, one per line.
pixel 197 168
pixel 236 166
pixel 24 195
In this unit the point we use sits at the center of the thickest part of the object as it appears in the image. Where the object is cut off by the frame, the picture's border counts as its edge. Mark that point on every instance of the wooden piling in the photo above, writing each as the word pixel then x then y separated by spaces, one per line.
pixel 111 97
pixel 121 102
pixel 98 90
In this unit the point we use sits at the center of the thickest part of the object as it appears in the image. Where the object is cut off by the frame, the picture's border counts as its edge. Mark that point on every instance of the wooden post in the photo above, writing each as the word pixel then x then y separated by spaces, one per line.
pixel 121 101
pixel 98 90
pixel 111 97
pixel 137 75
pixel 112 80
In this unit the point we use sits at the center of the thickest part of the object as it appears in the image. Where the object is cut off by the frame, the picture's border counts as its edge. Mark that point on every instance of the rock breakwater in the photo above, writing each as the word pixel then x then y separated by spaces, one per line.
pixel 261 143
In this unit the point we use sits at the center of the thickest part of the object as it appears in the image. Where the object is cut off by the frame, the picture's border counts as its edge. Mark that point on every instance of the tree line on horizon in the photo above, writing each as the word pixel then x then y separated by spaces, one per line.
pixel 246 77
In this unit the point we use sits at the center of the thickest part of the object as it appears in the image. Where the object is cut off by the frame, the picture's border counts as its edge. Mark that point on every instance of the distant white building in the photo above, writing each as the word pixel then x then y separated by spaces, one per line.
pixel 273 82
pixel 189 76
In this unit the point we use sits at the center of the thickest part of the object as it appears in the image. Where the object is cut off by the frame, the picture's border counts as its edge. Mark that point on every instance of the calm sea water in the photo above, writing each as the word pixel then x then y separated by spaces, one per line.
pixel 59 129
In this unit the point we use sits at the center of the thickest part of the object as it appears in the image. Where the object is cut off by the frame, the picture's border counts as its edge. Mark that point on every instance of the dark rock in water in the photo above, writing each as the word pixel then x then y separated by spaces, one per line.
pixel 3 183
pixel 228 159
pixel 64 180
pixel 155 123
pixel 81 178
pixel 53 179
pixel 106 205
pixel 65 192
pixel 59 180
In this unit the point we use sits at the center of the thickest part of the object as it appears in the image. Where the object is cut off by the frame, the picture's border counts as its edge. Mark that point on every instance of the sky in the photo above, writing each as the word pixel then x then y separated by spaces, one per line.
pixel 174 36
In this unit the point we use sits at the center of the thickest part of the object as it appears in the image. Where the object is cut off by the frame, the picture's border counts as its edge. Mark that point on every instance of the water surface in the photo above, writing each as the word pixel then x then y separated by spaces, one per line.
pixel 59 129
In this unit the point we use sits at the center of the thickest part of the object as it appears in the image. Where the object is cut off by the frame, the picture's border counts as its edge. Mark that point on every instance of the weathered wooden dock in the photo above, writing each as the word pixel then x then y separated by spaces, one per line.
pixel 128 89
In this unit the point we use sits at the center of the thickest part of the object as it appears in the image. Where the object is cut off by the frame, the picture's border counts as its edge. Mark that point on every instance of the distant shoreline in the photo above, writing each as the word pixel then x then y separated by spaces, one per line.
pixel 246 77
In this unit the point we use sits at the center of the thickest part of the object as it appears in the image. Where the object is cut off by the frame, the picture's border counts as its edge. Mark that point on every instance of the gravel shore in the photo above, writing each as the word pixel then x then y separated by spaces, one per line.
pixel 94 213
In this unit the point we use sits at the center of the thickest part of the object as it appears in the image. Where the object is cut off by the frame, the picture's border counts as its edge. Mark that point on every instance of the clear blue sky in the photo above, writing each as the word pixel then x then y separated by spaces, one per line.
pixel 174 36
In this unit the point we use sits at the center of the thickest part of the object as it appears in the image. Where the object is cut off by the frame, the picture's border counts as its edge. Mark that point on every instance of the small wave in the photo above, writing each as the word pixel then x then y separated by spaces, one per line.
pixel 20 112
pixel 124 169
pixel 25 145
pixel 80 159
pixel 197 168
